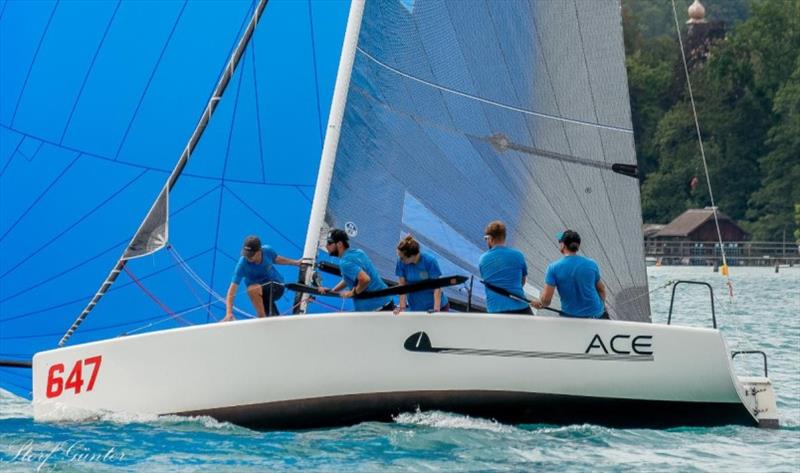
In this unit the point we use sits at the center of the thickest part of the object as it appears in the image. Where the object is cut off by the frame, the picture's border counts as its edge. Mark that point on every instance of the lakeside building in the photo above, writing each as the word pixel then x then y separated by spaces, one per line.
pixel 691 239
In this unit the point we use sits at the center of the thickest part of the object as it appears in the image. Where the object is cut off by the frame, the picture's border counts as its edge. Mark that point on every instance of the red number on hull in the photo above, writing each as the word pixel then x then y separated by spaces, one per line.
pixel 56 385
pixel 75 380
pixel 95 362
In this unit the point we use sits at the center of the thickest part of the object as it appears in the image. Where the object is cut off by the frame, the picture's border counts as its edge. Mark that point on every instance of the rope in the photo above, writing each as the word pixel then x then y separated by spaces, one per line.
pixel 154 298
pixel 153 324
pixel 191 288
pixel 702 151
pixel 192 274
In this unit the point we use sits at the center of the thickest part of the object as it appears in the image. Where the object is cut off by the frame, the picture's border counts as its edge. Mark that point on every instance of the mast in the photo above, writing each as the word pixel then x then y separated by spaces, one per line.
pixel 159 210
pixel 329 147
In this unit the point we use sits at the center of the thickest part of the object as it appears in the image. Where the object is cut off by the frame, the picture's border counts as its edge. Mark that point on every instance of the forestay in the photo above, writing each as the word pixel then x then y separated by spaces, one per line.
pixel 459 113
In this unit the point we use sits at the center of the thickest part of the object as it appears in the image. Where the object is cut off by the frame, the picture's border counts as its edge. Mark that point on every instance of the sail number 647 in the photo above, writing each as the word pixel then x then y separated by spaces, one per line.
pixel 56 384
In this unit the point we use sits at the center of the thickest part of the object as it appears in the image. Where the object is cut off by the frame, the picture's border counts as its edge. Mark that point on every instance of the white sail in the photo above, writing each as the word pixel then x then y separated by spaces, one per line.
pixel 459 113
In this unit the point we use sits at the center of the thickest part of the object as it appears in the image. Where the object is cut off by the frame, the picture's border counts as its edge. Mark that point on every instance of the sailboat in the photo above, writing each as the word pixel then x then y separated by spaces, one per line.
pixel 445 115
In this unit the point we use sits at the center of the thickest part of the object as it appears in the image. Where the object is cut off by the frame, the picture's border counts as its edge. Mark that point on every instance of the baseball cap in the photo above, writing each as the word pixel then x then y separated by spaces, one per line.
pixel 252 245
pixel 336 235
pixel 568 236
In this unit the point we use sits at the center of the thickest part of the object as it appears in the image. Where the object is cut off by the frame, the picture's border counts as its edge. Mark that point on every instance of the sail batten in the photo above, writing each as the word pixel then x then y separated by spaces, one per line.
pixel 459 113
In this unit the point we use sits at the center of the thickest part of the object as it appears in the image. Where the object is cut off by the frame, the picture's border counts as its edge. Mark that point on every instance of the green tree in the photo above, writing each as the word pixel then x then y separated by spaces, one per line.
pixel 771 206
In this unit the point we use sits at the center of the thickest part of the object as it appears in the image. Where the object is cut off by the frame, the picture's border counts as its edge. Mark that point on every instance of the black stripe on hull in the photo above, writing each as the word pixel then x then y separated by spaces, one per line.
pixel 503 406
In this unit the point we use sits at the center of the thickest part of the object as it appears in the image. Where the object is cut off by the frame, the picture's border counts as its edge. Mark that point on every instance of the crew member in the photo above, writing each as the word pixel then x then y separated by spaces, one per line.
pixel 264 283
pixel 505 268
pixel 577 279
pixel 358 274
pixel 412 266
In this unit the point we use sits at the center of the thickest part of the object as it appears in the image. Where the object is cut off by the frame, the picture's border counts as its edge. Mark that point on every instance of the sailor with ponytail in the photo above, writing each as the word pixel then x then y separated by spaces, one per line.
pixel 412 266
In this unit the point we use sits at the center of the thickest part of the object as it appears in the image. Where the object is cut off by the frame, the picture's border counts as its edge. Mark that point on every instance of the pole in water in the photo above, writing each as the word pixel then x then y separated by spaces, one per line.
pixel 716 267
pixel 777 266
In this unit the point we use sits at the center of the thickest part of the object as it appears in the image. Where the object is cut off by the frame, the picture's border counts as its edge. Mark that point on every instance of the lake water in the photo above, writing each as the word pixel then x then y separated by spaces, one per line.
pixel 764 314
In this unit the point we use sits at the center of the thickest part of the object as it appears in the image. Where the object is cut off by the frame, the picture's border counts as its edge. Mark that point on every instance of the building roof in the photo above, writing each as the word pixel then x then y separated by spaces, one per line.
pixel 687 222
pixel 650 229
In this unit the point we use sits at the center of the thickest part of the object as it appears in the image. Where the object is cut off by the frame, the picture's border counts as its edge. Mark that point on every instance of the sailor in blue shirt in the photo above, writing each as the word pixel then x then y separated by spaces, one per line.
pixel 358 274
pixel 264 283
pixel 505 268
pixel 577 279
pixel 414 266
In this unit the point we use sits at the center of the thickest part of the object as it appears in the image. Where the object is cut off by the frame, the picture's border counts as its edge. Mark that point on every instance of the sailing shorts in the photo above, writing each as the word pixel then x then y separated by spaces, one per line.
pixel 270 293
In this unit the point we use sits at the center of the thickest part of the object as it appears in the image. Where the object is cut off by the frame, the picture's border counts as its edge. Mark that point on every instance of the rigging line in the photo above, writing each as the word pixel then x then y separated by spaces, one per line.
pixel 700 139
pixel 89 71
pixel 258 111
pixel 602 143
pixel 83 298
pixel 154 298
pixel 96 329
pixel 225 169
pixel 159 322
pixel 33 61
pixel 150 79
pixel 122 162
pixel 316 75
pixel 11 156
pixel 174 255
pixel 260 217
pixel 39 198
pixel 200 282
pixel 492 102
pixel 73 225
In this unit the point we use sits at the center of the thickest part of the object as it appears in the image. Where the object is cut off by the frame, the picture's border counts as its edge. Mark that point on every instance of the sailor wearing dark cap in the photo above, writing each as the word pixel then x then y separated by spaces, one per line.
pixel 577 279
pixel 264 283
pixel 358 273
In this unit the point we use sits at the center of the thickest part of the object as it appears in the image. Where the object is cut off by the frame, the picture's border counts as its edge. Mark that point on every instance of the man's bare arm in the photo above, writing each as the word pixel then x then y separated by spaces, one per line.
pixel 601 291
pixel 545 298
pixel 229 301
pixel 287 261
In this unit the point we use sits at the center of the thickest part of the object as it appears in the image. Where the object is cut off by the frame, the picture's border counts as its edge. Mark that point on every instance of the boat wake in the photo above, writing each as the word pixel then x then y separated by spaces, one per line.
pixel 446 420
pixel 14 407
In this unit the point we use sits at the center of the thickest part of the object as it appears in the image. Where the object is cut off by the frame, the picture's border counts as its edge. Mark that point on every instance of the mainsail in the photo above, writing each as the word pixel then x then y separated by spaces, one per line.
pixel 459 113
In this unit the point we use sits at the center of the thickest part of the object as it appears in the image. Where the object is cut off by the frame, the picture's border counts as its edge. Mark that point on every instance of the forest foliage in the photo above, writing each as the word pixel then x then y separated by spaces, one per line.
pixel 747 94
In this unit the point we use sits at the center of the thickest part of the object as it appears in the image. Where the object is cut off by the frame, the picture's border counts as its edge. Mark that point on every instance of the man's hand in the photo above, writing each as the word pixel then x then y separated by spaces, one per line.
pixel 228 317
pixel 323 290
pixel 537 304
pixel 398 309
pixel 347 294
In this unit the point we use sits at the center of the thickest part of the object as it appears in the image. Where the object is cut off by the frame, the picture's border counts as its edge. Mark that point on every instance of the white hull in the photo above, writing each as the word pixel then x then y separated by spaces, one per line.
pixel 329 369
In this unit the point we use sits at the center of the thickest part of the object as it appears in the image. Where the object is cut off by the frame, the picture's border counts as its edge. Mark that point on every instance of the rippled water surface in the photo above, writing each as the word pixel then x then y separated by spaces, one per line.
pixel 764 314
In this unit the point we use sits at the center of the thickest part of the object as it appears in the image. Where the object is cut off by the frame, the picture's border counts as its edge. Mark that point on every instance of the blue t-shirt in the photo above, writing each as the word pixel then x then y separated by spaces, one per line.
pixel 351 263
pixel 426 268
pixel 576 279
pixel 257 273
pixel 503 267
